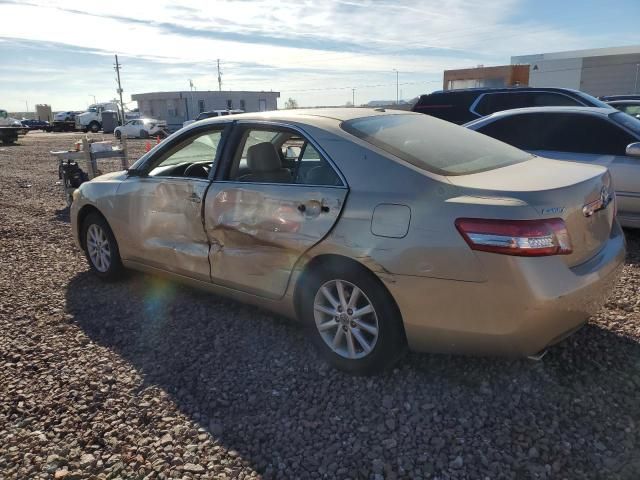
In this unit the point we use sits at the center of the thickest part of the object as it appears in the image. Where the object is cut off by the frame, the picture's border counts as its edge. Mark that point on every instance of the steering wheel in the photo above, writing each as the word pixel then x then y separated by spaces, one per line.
pixel 196 170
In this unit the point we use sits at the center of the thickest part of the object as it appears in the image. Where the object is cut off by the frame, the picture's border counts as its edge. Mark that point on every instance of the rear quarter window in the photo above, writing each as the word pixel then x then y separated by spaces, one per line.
pixel 435 146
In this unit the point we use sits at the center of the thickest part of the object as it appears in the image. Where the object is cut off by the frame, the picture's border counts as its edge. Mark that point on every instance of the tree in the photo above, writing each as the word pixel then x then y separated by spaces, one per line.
pixel 291 103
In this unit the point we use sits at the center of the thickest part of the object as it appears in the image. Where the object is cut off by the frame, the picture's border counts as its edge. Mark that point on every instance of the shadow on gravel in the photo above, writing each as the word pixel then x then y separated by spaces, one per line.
pixel 252 380
pixel 62 215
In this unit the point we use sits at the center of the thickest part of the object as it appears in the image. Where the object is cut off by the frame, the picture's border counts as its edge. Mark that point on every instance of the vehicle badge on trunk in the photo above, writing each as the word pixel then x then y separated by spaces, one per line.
pixel 599 204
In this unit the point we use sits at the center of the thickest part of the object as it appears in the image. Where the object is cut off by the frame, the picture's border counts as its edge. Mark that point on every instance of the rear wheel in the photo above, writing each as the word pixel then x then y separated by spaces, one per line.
pixel 101 248
pixel 352 319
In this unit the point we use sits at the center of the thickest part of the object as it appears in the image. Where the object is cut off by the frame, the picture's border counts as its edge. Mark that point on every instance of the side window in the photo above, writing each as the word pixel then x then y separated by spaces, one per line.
pixel 631 110
pixel 497 102
pixel 280 156
pixel 518 130
pixel 548 99
pixel 582 133
pixel 312 169
pixel 191 158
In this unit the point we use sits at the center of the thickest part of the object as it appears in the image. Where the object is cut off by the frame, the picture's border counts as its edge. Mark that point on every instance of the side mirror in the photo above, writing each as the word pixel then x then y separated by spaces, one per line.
pixel 132 172
pixel 633 150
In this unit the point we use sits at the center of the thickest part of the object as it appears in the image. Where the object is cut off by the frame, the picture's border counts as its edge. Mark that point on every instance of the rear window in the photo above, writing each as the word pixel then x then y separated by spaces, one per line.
pixel 433 145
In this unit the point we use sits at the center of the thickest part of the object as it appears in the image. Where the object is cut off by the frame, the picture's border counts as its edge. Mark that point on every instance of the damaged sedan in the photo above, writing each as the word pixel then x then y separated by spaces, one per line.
pixel 379 230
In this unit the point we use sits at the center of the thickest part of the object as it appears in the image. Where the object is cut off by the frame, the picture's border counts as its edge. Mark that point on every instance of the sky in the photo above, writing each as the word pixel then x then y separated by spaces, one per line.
pixel 318 52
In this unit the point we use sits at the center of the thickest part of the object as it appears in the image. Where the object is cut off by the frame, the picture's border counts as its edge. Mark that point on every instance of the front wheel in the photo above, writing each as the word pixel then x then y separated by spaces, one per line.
pixel 101 248
pixel 144 134
pixel 94 127
pixel 353 319
pixel 118 134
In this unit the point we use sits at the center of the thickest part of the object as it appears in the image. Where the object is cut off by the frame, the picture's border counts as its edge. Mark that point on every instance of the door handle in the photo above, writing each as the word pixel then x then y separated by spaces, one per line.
pixel 195 198
pixel 314 208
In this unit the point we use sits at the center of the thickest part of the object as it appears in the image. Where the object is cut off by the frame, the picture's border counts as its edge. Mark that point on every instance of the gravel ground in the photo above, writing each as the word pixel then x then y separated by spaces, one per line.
pixel 149 379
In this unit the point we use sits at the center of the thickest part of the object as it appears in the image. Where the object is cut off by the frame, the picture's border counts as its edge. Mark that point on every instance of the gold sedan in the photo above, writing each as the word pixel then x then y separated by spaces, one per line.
pixel 378 230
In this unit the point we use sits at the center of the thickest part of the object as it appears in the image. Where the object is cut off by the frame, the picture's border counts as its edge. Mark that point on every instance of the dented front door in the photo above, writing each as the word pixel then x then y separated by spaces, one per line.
pixel 164 227
pixel 259 231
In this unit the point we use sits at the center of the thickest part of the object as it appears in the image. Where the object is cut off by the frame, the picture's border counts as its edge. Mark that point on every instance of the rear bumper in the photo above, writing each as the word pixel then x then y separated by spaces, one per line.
pixel 526 304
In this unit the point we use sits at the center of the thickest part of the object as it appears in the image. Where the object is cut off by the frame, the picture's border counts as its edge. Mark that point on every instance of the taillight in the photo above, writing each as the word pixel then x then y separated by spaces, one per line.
pixel 524 238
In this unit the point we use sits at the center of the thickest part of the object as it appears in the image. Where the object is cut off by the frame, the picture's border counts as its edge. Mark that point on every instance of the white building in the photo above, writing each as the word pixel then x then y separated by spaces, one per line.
pixel 177 107
pixel 600 71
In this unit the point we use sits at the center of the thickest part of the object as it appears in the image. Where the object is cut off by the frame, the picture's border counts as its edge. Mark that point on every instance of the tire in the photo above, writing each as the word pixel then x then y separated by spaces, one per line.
pixel 380 330
pixel 105 262
pixel 144 134
pixel 94 127
pixel 118 134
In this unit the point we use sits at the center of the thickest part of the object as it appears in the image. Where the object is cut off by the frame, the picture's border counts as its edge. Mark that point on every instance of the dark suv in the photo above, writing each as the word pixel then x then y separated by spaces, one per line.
pixel 462 106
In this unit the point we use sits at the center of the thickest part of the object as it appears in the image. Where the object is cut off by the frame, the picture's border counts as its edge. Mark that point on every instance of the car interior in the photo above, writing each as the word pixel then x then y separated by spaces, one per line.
pixel 263 156
pixel 268 156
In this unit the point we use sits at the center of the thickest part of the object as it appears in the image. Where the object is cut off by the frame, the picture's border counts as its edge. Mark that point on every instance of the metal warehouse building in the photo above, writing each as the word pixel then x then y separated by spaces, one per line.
pixel 601 71
pixel 177 107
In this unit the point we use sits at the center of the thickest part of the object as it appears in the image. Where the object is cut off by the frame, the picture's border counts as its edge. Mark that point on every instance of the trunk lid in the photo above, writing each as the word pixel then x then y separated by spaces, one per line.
pixel 580 194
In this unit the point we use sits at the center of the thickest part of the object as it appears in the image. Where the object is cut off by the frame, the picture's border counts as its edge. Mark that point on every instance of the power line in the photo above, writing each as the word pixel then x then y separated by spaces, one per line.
pixel 358 86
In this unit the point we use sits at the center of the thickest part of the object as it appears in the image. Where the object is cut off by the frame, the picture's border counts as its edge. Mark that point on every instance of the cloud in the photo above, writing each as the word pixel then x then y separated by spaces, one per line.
pixel 298 45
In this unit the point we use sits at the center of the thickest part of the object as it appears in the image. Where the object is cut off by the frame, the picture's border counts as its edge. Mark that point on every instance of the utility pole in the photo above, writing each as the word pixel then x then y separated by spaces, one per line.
pixel 117 68
pixel 219 77
pixel 397 87
pixel 191 87
pixel 26 102
pixel 353 97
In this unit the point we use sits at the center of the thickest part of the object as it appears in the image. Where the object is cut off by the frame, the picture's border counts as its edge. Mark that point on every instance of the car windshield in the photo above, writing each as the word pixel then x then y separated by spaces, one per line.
pixel 434 145
pixel 627 121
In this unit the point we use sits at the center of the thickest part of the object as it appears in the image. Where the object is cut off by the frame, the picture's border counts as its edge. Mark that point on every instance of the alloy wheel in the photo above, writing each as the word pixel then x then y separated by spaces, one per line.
pixel 345 319
pixel 98 248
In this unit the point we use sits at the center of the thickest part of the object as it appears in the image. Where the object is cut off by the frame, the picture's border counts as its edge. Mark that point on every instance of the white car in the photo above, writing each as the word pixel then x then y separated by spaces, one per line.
pixel 212 114
pixel 603 136
pixel 141 128
pixel 64 116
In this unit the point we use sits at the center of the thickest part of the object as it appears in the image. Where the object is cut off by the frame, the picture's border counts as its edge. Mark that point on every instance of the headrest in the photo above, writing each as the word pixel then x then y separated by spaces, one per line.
pixel 263 157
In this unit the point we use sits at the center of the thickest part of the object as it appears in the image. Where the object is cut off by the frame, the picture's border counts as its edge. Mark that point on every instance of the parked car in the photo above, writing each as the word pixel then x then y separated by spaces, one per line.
pixel 212 114
pixel 602 136
pixel 631 107
pixel 609 98
pixel 141 128
pixel 68 116
pixel 375 229
pixel 33 124
pixel 461 106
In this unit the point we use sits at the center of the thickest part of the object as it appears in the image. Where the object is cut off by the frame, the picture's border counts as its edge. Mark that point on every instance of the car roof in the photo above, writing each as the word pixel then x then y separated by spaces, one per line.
pixel 629 101
pixel 308 115
pixel 505 89
pixel 583 110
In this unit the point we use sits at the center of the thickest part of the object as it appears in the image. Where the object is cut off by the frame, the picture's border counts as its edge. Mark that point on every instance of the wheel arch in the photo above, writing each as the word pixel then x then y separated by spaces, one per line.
pixel 327 260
